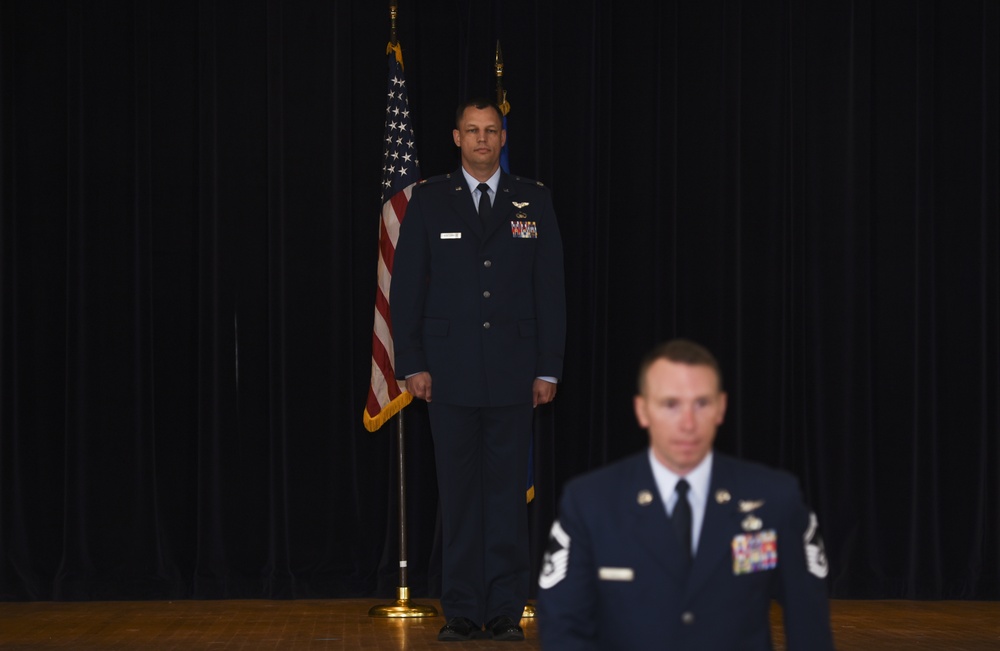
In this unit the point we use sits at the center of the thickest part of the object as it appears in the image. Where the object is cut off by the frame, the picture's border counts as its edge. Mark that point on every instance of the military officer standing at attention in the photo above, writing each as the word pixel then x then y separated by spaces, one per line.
pixel 679 547
pixel 478 309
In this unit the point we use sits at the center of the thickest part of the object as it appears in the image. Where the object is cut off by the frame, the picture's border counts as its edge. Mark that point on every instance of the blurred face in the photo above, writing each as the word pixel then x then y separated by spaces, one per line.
pixel 480 136
pixel 681 406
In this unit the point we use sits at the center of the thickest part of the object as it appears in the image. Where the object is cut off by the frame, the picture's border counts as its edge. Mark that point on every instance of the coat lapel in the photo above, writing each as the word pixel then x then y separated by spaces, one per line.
pixel 461 200
pixel 715 542
pixel 651 527
pixel 502 206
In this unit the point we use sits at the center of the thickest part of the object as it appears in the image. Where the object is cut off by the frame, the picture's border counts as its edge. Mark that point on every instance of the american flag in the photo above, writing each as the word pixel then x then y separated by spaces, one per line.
pixel 400 172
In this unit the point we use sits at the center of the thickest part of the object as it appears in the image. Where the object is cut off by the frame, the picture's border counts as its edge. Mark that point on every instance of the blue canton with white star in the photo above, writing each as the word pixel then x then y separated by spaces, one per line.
pixel 400 166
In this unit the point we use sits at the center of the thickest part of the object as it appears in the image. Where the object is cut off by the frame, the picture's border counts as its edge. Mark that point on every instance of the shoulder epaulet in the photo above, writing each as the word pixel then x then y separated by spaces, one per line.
pixel 521 179
pixel 434 179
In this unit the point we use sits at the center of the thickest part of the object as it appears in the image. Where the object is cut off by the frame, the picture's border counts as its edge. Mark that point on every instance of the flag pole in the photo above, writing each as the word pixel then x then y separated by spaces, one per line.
pixel 501 93
pixel 529 608
pixel 504 107
pixel 402 606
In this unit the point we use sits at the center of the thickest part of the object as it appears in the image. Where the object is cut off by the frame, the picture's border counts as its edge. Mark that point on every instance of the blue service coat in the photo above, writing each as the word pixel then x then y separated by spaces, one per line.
pixel 480 306
pixel 614 578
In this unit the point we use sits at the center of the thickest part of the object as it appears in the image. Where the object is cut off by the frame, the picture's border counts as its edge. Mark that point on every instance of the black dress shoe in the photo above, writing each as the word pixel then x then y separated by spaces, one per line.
pixel 504 629
pixel 458 629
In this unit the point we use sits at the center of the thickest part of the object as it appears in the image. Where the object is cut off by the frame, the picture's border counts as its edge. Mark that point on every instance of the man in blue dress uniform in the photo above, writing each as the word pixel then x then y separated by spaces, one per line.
pixel 678 547
pixel 478 309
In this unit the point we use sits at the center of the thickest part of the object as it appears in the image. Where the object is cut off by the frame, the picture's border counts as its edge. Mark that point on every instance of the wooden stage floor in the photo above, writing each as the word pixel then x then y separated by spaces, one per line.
pixel 345 624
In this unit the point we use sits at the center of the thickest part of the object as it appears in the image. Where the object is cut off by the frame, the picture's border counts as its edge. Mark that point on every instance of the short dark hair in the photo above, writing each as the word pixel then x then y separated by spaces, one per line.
pixel 479 103
pixel 679 351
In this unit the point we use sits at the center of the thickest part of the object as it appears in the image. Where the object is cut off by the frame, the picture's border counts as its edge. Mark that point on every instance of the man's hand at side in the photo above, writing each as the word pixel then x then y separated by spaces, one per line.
pixel 419 385
pixel 542 391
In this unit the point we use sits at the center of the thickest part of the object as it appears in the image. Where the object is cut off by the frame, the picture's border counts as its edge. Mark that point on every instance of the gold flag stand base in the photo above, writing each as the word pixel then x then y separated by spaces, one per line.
pixel 529 611
pixel 402 607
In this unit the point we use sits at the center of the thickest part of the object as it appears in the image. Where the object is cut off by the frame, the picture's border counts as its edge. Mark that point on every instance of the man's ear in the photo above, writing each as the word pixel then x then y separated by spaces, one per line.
pixel 639 403
pixel 722 409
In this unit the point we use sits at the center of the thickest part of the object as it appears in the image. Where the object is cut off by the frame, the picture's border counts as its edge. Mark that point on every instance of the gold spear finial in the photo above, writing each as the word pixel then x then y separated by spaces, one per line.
pixel 501 93
pixel 393 11
pixel 393 45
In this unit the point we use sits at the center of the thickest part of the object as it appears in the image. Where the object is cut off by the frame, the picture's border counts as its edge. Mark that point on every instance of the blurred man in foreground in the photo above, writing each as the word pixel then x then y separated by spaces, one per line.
pixel 679 547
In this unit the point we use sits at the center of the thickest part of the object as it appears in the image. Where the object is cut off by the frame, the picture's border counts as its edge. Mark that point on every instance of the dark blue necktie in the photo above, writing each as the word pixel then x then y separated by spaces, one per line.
pixel 485 207
pixel 682 517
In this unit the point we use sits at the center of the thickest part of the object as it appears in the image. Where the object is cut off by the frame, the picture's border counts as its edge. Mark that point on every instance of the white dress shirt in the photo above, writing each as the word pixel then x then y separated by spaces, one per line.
pixel 699 479
pixel 493 182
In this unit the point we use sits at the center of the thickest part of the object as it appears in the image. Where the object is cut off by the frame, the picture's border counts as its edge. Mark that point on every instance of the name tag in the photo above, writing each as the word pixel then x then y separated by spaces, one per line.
pixel 616 574
pixel 451 236
pixel 755 552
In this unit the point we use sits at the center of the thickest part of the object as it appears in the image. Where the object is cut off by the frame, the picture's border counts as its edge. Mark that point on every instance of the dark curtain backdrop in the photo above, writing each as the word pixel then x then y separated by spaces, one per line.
pixel 188 242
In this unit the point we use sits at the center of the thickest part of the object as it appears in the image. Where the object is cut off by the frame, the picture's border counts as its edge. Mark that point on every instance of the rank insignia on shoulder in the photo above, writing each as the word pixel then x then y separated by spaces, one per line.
pixel 432 179
pixel 521 179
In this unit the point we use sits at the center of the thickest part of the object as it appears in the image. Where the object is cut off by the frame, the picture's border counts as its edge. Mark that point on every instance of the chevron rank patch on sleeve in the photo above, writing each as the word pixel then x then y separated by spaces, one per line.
pixel 815 550
pixel 556 561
